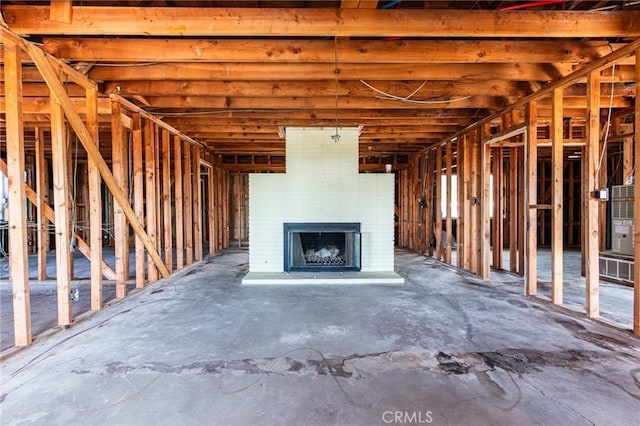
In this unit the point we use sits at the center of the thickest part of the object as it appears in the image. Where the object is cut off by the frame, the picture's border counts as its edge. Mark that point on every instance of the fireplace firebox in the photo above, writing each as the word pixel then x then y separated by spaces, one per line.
pixel 316 247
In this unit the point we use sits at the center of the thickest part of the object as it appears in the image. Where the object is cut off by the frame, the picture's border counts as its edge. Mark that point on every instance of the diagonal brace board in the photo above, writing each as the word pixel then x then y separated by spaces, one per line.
pixel 56 87
pixel 49 214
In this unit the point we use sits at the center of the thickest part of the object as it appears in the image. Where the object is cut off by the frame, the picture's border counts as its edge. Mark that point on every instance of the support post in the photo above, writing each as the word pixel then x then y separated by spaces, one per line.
pixel 138 194
pixel 150 189
pixel 166 199
pixel 197 205
pixel 557 179
pixel 523 211
pixel 18 257
pixel 179 202
pixel 188 207
pixel 485 219
pixel 449 222
pixel 428 197
pixel 211 210
pixel 120 226
pixel 467 166
pixel 592 204
pixel 531 199
pixel 95 203
pixel 42 222
pixel 60 163
pixel 513 210
pixel 498 202
pixel 438 202
pixel 636 210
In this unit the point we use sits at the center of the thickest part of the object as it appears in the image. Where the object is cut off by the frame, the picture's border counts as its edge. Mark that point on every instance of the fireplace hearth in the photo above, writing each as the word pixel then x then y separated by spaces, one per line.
pixel 316 247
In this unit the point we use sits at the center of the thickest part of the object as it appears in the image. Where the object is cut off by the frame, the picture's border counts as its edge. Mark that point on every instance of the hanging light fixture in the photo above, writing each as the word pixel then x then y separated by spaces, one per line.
pixel 336 137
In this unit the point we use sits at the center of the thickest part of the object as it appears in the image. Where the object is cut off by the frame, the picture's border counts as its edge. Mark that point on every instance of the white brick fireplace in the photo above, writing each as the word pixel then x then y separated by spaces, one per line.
pixel 321 185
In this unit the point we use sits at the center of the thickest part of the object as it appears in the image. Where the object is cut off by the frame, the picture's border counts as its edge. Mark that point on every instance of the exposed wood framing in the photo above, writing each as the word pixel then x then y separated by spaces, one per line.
pixel 531 201
pixel 156 185
pixel 636 297
pixel 179 202
pixel 460 222
pixel 349 51
pixel 477 165
pixel 429 171
pixel 95 203
pixel 82 246
pixel 17 211
pixel 138 194
pixel 166 199
pixel 449 221
pixel 210 207
pixel 85 138
pixel 60 161
pixel 514 216
pixel 41 189
pixel 591 248
pixel 150 145
pixel 197 205
pixel 188 203
pixel 498 201
pixel 61 11
pixel 568 80
pixel 97 20
pixel 485 217
pixel 523 209
pixel 119 163
pixel 627 162
pixel 467 218
pixel 438 201
pixel 557 184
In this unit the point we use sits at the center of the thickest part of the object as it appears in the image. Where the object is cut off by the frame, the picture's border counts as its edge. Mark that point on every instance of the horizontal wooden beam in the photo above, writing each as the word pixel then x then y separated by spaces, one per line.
pixel 318 71
pixel 192 21
pixel 348 51
pixel 187 123
pixel 330 113
pixel 40 105
pixel 41 89
pixel 323 102
pixel 309 88
pixel 390 129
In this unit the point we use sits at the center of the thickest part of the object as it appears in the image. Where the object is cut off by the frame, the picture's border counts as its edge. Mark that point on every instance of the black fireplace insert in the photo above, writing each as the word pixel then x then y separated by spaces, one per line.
pixel 316 247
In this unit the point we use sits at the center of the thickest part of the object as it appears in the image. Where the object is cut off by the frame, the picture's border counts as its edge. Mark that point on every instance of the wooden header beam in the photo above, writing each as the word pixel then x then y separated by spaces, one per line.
pixel 309 71
pixel 191 21
pixel 318 51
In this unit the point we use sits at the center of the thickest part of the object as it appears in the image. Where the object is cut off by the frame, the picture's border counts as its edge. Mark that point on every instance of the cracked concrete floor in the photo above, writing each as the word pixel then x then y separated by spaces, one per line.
pixel 444 348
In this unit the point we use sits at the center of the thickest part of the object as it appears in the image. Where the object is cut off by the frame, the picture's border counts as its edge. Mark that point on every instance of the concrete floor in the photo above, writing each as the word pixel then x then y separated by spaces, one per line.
pixel 444 348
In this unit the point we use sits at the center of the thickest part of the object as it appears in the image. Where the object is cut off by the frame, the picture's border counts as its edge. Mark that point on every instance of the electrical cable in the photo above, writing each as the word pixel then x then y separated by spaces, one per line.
pixel 336 137
pixel 606 135
pixel 406 99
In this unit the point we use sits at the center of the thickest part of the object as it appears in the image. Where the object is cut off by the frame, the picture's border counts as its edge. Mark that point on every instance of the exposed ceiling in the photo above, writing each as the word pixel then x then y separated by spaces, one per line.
pixel 234 74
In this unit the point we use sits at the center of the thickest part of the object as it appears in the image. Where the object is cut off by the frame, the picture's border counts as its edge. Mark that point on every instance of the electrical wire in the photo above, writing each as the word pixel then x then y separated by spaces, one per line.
pixel 606 134
pixel 335 75
pixel 406 99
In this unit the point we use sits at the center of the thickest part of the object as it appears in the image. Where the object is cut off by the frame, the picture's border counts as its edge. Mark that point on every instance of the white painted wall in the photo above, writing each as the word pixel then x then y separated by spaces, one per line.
pixel 321 184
